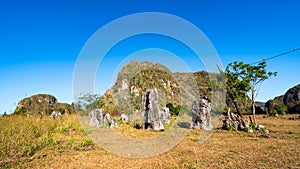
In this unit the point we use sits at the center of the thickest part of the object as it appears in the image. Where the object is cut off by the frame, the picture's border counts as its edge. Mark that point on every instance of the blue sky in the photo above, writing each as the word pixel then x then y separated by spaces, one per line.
pixel 41 40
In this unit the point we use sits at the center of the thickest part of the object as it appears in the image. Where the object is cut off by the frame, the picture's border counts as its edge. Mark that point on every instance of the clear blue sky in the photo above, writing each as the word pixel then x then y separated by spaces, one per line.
pixel 40 40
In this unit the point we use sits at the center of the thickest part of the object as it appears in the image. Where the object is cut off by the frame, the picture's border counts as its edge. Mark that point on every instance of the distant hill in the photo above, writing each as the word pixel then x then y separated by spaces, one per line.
pixel 182 88
pixel 42 104
pixel 287 103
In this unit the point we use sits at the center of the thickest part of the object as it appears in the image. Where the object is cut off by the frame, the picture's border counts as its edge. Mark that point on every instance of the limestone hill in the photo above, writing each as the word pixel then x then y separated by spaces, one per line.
pixel 42 104
pixel 287 103
pixel 182 89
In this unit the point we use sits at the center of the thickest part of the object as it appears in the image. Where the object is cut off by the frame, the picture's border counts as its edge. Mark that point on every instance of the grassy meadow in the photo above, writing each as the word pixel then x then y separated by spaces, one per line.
pixel 40 142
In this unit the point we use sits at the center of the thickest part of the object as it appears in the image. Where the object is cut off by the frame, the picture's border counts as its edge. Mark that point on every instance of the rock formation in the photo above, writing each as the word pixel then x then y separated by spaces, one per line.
pixel 271 104
pixel 111 121
pixel 99 118
pixel 201 114
pixel 165 115
pixel 96 118
pixel 42 104
pixel 150 111
pixel 234 121
pixel 55 115
pixel 124 118
pixel 292 96
pixel 289 99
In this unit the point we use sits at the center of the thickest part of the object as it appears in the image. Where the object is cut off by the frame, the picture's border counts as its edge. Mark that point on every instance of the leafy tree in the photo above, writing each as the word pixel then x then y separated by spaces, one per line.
pixel 243 78
pixel 273 112
pixel 281 108
pixel 236 87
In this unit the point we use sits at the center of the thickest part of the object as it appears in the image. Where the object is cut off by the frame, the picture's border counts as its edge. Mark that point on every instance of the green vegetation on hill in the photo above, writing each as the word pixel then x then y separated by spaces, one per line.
pixel 178 89
pixel 287 103
pixel 42 104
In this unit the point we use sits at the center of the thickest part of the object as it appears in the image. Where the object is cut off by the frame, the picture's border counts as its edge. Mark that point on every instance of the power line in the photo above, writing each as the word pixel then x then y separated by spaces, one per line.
pixel 294 50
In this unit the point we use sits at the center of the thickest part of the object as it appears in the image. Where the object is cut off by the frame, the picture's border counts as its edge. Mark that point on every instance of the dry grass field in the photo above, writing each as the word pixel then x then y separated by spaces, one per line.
pixel 43 143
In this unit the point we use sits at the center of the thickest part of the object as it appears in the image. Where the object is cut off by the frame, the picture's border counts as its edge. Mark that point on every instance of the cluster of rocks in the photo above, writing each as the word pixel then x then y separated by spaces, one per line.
pixel 236 121
pixel 154 118
pixel 99 118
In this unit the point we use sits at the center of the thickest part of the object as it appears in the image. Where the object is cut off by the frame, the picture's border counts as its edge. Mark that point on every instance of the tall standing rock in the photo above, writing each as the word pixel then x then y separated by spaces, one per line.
pixel 97 118
pixel 201 114
pixel 150 111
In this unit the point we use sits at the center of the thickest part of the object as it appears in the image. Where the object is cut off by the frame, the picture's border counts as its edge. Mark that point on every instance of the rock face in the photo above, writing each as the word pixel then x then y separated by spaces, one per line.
pixel 150 111
pixel 42 104
pixel 292 96
pixel 136 78
pixel 165 115
pixel 201 114
pixel 96 117
pixel 289 99
pixel 99 118
pixel 271 104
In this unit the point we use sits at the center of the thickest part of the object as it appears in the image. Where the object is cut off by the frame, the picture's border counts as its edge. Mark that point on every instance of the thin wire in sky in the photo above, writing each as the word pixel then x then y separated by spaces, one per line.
pixel 281 54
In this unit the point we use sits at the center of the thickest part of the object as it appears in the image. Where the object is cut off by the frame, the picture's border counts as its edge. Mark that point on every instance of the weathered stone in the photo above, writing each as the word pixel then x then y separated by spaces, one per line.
pixel 262 128
pixel 124 118
pixel 111 121
pixel 55 115
pixel 165 115
pixel 96 117
pixel 201 114
pixel 150 111
pixel 236 121
pixel 99 118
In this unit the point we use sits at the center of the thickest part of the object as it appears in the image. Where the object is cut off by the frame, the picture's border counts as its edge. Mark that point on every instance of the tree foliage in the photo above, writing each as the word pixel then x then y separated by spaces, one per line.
pixel 174 111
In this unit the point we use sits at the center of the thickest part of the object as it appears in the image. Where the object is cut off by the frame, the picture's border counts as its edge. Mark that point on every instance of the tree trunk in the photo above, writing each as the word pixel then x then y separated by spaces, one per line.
pixel 235 104
pixel 237 108
pixel 228 112
pixel 253 105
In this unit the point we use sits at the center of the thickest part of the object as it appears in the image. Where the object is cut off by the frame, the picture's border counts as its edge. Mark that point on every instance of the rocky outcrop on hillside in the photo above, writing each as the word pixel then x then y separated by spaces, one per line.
pixel 136 78
pixel 289 102
pixel 271 104
pixel 42 104
pixel 292 96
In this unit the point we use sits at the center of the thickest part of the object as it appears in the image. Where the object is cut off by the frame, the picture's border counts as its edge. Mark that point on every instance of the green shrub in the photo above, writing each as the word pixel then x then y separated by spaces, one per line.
pixel 281 108
pixel 20 110
pixel 174 111
pixel 273 112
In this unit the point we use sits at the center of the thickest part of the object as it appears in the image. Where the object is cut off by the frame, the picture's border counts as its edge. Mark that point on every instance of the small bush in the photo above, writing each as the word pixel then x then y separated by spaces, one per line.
pixel 281 108
pixel 273 112
pixel 86 143
pixel 20 110
pixel 174 111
